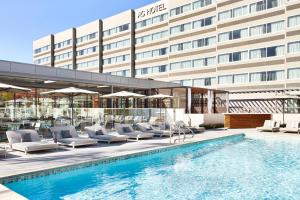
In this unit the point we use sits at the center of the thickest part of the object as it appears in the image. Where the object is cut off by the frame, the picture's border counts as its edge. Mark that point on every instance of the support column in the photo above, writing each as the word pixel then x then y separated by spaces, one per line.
pixel 74 48
pixel 202 103
pixel 52 50
pixel 36 103
pixel 227 102
pixel 214 103
pixel 172 99
pixel 189 100
pixel 100 46
pixel 132 28
pixel 209 101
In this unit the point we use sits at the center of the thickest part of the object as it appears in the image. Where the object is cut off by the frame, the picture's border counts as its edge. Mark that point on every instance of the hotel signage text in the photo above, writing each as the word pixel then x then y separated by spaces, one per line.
pixel 152 10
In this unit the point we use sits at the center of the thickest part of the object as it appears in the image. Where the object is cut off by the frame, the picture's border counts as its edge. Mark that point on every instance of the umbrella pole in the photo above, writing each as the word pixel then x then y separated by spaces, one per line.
pixel 72 110
pixel 283 111
pixel 14 116
pixel 160 109
pixel 36 103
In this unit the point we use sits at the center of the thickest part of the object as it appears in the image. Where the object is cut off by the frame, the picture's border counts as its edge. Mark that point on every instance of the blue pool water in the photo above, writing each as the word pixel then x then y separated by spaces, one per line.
pixel 236 168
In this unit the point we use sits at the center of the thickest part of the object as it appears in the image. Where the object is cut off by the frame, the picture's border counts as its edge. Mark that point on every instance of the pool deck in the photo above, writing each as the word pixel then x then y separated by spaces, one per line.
pixel 18 163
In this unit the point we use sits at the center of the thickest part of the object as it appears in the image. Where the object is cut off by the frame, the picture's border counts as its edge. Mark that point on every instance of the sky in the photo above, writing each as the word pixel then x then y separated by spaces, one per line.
pixel 22 21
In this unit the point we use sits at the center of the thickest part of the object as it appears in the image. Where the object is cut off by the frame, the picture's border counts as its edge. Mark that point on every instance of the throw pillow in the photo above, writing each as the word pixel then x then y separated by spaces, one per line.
pixel 26 137
pixel 99 132
pixel 65 134
pixel 126 130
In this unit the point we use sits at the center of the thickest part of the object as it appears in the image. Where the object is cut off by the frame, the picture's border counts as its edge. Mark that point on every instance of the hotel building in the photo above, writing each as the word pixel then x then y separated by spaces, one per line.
pixel 234 45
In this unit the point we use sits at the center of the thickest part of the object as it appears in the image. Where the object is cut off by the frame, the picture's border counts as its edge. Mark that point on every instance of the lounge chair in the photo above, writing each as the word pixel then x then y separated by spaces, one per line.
pixel 292 127
pixel 67 135
pixel 3 152
pixel 269 125
pixel 126 129
pixel 28 141
pixel 102 135
pixel 195 130
pixel 147 127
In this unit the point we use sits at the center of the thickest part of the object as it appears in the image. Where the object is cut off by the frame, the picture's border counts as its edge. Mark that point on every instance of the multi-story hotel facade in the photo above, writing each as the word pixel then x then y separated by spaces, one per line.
pixel 236 45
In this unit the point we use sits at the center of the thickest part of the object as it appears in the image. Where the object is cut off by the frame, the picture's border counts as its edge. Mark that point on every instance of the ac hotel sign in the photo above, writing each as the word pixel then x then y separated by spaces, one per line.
pixel 152 10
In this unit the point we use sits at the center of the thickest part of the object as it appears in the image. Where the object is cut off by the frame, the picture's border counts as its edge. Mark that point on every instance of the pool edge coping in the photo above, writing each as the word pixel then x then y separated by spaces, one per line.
pixel 69 167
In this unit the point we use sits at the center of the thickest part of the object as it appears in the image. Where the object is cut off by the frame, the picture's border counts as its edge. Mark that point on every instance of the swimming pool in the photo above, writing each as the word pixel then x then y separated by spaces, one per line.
pixel 231 168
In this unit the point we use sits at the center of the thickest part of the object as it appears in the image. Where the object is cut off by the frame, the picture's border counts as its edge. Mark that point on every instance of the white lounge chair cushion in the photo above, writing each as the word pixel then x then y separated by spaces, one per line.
pixel 133 133
pixel 2 152
pixel 111 137
pixel 147 127
pixel 79 141
pixel 34 146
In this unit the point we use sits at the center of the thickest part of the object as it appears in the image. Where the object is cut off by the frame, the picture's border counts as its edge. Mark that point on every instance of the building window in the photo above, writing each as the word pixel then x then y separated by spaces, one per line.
pixel 204 82
pixel 42 49
pixel 240 78
pixel 265 4
pixel 294 21
pixel 86 37
pixel 152 37
pixel 202 3
pixel 180 10
pixel 125 73
pixel 227 79
pixel 150 54
pixel 42 60
pixel 267 76
pixel 233 57
pixel 63 56
pixel 233 13
pixel 87 51
pixel 83 65
pixel 267 52
pixel 233 35
pixel 115 30
pixel 267 28
pixel 63 44
pixel 151 70
pixel 117 59
pixel 204 42
pixel 114 45
pixel 294 73
pixel 151 21
pixel 294 47
pixel 181 47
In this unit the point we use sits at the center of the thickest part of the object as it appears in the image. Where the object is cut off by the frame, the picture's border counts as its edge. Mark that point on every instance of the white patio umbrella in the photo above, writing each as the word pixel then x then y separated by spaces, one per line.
pixel 12 88
pixel 160 97
pixel 70 92
pixel 123 95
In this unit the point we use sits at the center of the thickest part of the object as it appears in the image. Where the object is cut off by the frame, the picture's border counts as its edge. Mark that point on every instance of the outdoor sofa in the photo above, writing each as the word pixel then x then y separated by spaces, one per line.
pixel 148 128
pixel 269 125
pixel 192 129
pixel 67 135
pixel 126 129
pixel 292 127
pixel 28 141
pixel 3 153
pixel 102 135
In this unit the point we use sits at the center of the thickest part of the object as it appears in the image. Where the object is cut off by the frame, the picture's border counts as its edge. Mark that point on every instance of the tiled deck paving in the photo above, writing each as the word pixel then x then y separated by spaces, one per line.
pixel 19 163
